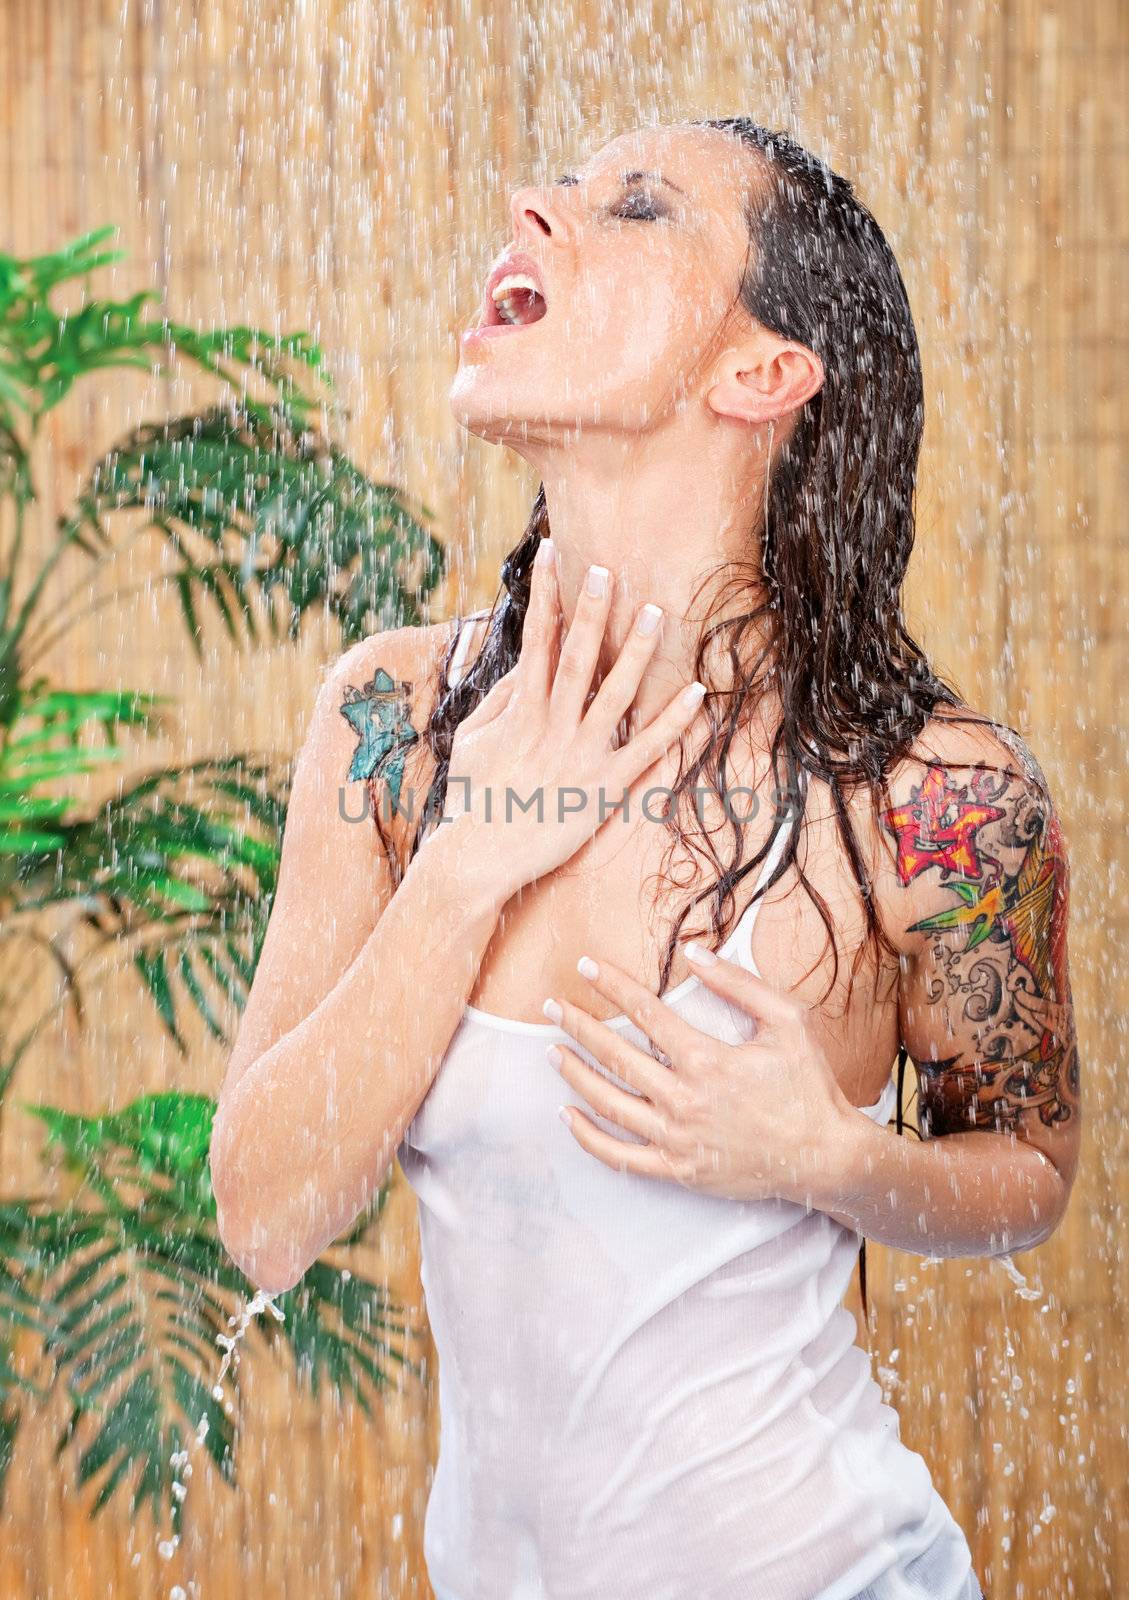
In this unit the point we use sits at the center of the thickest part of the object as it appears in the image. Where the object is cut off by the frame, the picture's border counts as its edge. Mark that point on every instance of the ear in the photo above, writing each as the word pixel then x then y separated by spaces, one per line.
pixel 764 378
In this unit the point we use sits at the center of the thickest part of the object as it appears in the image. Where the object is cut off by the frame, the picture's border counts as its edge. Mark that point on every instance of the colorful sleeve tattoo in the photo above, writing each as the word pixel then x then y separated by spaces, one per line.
pixel 992 1030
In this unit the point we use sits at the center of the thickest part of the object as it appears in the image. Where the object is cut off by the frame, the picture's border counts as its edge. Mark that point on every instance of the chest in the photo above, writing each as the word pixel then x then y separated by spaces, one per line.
pixel 618 900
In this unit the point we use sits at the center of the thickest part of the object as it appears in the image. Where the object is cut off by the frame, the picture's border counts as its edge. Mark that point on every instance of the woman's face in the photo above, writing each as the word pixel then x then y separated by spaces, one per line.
pixel 641 281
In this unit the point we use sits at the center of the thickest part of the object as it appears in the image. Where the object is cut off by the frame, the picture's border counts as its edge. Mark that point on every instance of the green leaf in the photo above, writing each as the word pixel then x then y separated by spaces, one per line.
pixel 133 1314
pixel 255 508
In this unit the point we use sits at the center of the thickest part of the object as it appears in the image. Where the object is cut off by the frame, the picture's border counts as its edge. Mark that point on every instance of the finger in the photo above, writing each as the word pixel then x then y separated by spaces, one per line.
pixel 581 649
pixel 638 1069
pixel 633 1112
pixel 620 686
pixel 747 990
pixel 541 627
pixel 647 745
pixel 672 1034
pixel 643 1159
pixel 1029 1004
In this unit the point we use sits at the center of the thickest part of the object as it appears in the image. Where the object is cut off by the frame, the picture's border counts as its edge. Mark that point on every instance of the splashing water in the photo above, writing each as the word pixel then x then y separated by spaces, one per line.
pixel 1025 1290
pixel 179 1460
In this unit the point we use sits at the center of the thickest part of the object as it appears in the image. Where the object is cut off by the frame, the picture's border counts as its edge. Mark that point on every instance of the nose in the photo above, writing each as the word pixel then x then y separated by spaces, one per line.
pixel 530 211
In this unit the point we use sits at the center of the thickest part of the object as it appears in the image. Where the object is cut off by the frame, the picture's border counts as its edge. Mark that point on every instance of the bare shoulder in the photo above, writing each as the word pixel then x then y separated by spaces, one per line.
pixel 406 660
pixel 334 879
pixel 374 705
pixel 968 805
pixel 372 711
pixel 402 659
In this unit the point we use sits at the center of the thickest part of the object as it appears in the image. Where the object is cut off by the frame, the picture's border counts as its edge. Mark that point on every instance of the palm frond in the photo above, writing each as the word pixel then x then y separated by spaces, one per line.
pixel 175 874
pixel 41 744
pixel 15 464
pixel 44 351
pixel 131 1297
pixel 264 522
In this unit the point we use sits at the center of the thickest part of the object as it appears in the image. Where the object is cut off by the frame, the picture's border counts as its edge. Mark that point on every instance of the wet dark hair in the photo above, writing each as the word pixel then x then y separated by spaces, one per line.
pixel 823 630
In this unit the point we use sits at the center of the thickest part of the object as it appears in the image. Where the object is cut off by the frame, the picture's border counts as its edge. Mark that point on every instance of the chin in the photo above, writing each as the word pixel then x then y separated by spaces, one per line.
pixel 484 409
pixel 465 397
pixel 474 413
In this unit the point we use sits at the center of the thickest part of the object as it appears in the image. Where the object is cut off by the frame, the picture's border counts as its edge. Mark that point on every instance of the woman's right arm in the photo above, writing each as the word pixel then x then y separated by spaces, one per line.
pixel 335 1052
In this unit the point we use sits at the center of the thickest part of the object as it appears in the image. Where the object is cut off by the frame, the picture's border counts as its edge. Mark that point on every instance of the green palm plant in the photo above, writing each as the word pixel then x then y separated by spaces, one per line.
pixel 118 1291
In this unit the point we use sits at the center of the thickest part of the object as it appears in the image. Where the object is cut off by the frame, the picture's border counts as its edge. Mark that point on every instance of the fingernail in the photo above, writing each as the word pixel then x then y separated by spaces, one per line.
pixel 649 618
pixel 587 968
pixel 597 582
pixel 565 1115
pixel 699 953
pixel 693 693
pixel 546 550
pixel 555 1055
pixel 553 1011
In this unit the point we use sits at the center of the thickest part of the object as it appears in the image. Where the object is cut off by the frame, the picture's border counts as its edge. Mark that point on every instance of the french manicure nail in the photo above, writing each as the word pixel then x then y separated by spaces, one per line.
pixel 555 1055
pixel 587 968
pixel 699 953
pixel 649 618
pixel 552 1010
pixel 693 693
pixel 597 582
pixel 546 550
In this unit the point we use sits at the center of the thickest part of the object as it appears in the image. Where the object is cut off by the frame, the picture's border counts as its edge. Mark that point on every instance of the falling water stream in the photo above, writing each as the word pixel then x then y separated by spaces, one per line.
pixel 179 1460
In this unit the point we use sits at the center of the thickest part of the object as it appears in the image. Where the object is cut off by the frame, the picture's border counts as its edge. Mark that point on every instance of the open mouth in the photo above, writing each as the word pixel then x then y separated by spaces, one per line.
pixel 515 302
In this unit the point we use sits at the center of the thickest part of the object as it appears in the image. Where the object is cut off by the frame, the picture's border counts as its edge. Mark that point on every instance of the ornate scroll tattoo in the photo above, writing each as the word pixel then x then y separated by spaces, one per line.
pixel 996 967
pixel 380 714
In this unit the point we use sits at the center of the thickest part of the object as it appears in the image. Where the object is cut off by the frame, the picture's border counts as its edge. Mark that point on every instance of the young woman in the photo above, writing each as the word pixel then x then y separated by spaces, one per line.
pixel 649 1386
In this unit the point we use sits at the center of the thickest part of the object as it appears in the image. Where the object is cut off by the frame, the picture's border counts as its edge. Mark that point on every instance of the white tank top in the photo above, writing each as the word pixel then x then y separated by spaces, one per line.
pixel 646 1392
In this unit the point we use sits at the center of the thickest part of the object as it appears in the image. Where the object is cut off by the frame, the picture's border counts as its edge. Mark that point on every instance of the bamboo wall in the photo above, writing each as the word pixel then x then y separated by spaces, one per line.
pixel 343 166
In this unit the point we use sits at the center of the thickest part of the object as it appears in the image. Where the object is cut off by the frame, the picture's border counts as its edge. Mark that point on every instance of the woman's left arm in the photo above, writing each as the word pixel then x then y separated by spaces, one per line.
pixel 986 1016
pixel 969 1193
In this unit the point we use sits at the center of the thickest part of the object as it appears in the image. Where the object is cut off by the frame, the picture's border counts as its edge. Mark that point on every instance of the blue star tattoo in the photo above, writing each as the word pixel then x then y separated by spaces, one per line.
pixel 379 713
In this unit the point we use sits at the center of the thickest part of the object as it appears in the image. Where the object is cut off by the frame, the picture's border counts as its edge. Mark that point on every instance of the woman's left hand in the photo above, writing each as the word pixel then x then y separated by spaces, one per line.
pixel 746 1121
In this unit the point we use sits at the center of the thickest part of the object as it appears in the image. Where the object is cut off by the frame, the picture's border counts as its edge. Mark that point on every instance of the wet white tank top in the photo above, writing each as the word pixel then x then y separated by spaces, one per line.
pixel 646 1392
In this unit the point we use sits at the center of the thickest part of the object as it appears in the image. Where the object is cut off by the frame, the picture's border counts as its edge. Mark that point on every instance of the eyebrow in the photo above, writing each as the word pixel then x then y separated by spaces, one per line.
pixel 626 177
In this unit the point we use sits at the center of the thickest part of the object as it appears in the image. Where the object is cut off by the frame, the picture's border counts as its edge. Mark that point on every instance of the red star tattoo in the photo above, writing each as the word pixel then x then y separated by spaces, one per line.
pixel 937 829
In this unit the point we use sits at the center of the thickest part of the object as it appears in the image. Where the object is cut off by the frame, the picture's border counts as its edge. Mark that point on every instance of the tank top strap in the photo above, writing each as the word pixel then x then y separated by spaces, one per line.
pixel 738 947
pixel 462 646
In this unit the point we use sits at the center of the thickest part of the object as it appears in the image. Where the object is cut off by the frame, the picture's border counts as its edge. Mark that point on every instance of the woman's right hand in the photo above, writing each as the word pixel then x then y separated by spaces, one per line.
pixel 534 774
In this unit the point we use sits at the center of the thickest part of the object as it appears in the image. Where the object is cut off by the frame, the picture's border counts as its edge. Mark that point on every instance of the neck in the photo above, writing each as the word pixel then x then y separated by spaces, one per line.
pixel 673 532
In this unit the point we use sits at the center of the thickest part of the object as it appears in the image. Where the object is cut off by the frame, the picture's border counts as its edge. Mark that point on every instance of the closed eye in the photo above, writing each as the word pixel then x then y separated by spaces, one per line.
pixel 639 208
